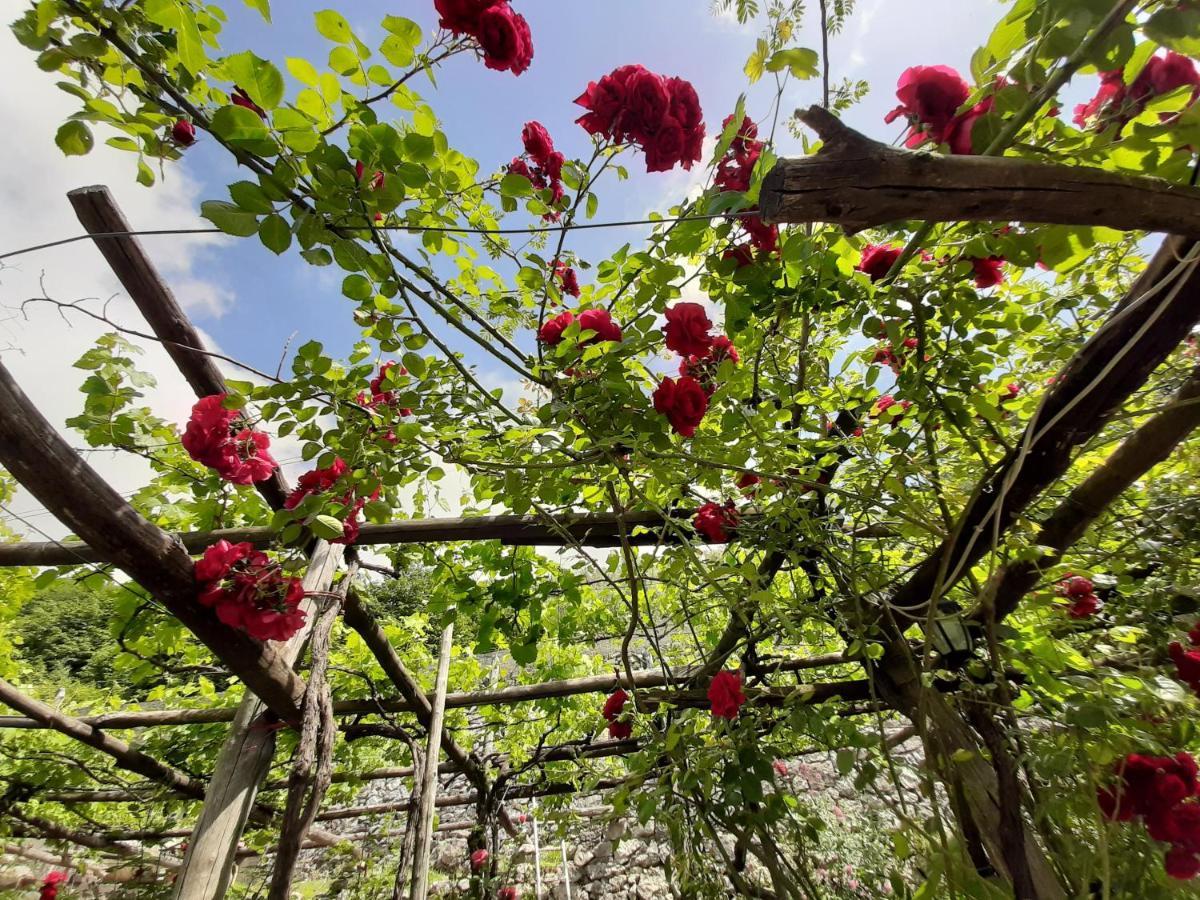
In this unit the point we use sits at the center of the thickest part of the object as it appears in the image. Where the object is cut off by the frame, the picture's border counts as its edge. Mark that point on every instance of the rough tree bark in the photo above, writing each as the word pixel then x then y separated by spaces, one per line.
pixel 858 183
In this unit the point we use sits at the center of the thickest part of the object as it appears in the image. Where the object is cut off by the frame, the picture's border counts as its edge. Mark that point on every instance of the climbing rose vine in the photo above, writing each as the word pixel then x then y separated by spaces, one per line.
pixel 249 592
pixel 216 436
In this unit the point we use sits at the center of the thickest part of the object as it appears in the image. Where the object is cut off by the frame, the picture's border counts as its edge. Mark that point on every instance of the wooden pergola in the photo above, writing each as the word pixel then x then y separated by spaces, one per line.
pixel 852 181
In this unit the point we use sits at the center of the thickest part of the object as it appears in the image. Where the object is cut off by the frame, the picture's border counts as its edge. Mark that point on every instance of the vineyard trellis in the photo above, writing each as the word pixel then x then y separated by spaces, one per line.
pixel 926 653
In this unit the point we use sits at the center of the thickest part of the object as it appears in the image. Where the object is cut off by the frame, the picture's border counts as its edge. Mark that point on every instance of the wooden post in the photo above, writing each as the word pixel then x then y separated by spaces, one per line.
pixel 424 844
pixel 99 214
pixel 242 765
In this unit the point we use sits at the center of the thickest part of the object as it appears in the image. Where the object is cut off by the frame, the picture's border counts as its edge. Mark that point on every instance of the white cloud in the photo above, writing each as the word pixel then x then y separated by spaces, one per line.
pixel 40 347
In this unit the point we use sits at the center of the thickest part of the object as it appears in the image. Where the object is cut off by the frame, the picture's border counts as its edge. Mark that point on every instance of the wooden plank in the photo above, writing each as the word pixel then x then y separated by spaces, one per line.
pixel 859 183
pixel 243 764
pixel 429 777
pixel 98 212
pixel 45 465
pixel 594 530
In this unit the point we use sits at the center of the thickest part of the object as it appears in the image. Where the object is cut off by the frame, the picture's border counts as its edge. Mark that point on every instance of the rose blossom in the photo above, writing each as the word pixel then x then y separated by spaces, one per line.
pixel 684 402
pixel 714 521
pixel 725 694
pixel 183 133
pixel 478 860
pixel 613 707
pixel 505 39
pixel 686 329
pixel 878 259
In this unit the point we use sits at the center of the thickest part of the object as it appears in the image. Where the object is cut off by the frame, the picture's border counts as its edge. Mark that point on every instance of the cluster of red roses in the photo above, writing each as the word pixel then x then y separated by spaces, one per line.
pixel 319 481
pixel 249 592
pixel 1187 662
pixel 1160 790
pixel 1079 590
pixel 546 171
pixel 877 260
pixel 1115 103
pixel 597 321
pixel 684 401
pixel 715 521
pixel 618 726
pixel 930 98
pixel 49 888
pixel 506 893
pixel 218 438
pixel 733 174
pixel 503 34
pixel 660 115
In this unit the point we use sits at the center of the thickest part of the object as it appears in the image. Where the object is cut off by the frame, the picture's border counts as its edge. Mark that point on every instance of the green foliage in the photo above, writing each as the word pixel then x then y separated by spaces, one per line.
pixel 63 634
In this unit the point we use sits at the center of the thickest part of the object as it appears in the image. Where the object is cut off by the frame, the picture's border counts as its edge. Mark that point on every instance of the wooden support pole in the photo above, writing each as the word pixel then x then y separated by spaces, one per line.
pixel 243 763
pixel 98 212
pixel 858 183
pixel 406 683
pixel 424 842
pixel 599 530
pixel 45 465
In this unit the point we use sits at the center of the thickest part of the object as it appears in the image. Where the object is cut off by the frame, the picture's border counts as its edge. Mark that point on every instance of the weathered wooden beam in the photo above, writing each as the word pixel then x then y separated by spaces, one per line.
pixel 99 214
pixel 1152 320
pixel 859 183
pixel 593 530
pixel 126 757
pixel 45 465
pixel 521 693
pixel 1145 448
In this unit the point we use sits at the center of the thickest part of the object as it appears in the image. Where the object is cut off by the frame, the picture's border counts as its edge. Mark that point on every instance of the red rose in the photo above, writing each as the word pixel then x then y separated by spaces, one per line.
pixel 686 329
pixel 748 480
pixel 647 101
pixel 506 893
pixel 377 180
pixel 685 104
pixel 666 147
pixel 613 706
pixel 462 16
pixel 599 321
pixel 878 259
pixel 183 133
pixel 741 254
pixel 537 142
pixel 989 271
pixel 568 280
pixel 683 402
pixel 1075 586
pixel 1163 74
pixel 763 237
pixel 248 591
pixel 241 98
pixel 1187 665
pixel 722 349
pixel 519 167
pixel 1110 94
pixel 478 860
pixel 552 168
pixel 552 330
pixel 714 521
pixel 929 98
pixel 605 101
pixel 505 39
pixel 240 456
pixel 1181 863
pixel 1084 607
pixel 725 694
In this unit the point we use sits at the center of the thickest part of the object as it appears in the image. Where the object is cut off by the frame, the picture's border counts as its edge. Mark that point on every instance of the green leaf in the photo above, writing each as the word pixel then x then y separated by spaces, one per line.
pixel 275 234
pixel 845 761
pixel 243 128
pixel 513 185
pixel 250 197
pixel 415 365
pixel 333 25
pixel 302 70
pixel 326 527
pixel 1177 28
pixel 800 61
pixel 755 64
pixel 229 218
pixel 257 77
pixel 318 256
pixel 191 46
pixel 263 7
pixel 74 138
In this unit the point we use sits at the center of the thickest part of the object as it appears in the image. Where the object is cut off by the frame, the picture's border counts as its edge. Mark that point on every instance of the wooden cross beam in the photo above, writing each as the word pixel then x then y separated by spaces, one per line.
pixel 858 183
